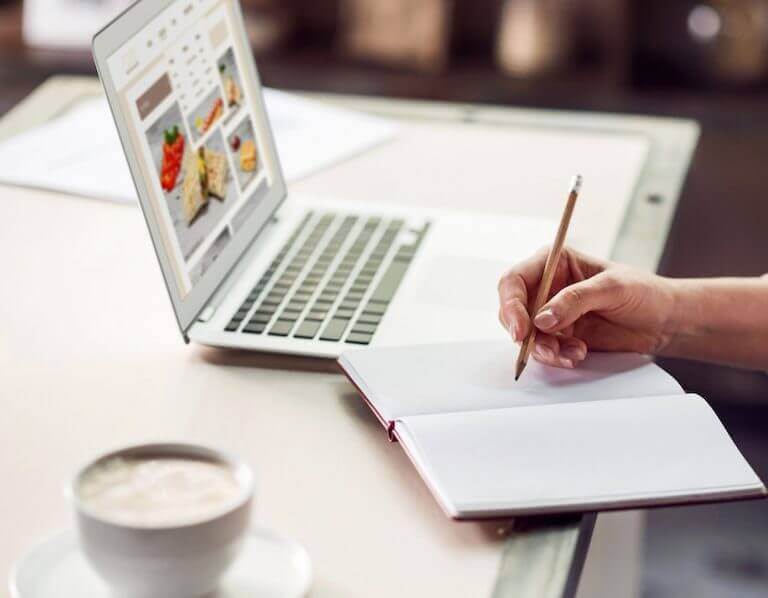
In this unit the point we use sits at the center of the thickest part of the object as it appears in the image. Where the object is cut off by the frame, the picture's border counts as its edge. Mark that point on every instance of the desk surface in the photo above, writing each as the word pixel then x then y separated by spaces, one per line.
pixel 91 359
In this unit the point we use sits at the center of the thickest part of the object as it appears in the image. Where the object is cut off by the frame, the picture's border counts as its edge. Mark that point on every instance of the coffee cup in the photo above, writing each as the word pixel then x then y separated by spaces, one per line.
pixel 162 519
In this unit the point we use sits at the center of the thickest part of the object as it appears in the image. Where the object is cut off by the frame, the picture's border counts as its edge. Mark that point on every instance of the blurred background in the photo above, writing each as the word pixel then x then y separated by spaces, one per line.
pixel 706 60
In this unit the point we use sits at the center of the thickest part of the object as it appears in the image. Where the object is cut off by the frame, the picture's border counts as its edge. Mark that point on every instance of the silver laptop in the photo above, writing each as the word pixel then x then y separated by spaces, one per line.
pixel 248 266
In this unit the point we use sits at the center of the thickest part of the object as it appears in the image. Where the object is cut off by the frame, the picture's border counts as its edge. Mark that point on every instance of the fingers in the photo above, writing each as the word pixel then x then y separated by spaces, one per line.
pixel 518 286
pixel 559 351
pixel 520 278
pixel 515 288
pixel 571 303
pixel 514 317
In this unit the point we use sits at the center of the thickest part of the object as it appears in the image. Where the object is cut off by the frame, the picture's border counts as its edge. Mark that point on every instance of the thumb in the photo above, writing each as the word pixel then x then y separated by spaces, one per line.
pixel 574 301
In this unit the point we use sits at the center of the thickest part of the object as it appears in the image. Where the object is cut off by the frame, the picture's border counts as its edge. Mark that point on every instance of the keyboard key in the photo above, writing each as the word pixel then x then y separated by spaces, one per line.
pixel 364 328
pixel 389 282
pixel 368 318
pixel 254 328
pixel 334 330
pixel 261 317
pixel 232 326
pixel 282 328
pixel 289 316
pixel 308 329
pixel 359 339
pixel 375 309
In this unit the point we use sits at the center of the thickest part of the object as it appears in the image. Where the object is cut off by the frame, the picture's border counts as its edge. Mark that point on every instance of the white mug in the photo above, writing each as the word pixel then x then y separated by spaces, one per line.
pixel 181 561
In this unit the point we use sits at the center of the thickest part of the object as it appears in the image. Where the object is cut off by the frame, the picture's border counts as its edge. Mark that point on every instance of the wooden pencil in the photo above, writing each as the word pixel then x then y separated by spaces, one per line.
pixel 550 268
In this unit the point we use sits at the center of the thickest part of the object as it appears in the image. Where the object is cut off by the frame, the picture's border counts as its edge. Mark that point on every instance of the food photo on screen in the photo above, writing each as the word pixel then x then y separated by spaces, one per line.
pixel 242 146
pixel 230 80
pixel 196 181
pixel 206 114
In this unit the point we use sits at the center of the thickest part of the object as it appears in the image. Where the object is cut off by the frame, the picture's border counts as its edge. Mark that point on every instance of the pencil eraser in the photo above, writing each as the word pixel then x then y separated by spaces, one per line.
pixel 576 184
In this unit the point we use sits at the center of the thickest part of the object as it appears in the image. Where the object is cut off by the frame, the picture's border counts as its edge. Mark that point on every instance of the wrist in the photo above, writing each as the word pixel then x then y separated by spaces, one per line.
pixel 684 316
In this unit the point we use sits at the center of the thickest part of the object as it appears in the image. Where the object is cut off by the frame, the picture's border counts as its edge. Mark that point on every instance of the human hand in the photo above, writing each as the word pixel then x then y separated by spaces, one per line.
pixel 595 306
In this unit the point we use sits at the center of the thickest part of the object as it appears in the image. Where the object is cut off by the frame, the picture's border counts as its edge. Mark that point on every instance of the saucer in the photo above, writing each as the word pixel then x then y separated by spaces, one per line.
pixel 268 566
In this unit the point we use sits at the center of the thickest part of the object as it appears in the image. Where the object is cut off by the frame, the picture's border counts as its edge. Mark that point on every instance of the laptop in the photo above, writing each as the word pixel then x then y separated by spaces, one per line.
pixel 245 264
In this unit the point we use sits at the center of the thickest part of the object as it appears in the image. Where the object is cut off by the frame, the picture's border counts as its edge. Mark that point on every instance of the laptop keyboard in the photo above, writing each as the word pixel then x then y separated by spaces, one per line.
pixel 333 280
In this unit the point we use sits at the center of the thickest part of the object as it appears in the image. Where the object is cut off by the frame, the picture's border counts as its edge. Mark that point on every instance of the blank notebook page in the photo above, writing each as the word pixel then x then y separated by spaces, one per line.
pixel 627 452
pixel 440 378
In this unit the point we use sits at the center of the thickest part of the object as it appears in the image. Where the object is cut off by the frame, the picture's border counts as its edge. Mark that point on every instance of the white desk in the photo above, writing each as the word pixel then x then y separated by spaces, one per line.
pixel 90 359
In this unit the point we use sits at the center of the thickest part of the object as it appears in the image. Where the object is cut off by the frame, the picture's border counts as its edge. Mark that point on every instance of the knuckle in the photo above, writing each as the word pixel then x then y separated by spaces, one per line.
pixel 511 285
pixel 573 296
pixel 502 282
pixel 610 280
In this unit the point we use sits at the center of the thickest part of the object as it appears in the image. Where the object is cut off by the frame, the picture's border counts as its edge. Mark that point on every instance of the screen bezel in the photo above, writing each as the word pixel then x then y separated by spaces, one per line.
pixel 108 41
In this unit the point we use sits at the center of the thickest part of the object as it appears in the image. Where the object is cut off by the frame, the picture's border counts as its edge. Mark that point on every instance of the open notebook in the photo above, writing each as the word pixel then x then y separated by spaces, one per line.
pixel 618 432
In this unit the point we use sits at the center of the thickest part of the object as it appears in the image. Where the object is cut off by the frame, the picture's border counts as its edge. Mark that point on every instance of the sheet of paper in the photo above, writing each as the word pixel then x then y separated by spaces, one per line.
pixel 311 136
pixel 67 23
pixel 450 377
pixel 587 456
pixel 80 153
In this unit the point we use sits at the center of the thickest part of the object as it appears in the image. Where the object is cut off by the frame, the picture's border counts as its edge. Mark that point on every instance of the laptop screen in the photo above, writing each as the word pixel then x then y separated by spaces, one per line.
pixel 197 125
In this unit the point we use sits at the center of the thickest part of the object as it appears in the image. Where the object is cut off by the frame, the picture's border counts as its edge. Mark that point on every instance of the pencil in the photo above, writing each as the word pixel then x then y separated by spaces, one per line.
pixel 553 259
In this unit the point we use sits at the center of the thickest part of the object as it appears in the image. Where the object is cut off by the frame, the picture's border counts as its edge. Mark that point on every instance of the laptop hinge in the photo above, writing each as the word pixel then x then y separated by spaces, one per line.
pixel 208 312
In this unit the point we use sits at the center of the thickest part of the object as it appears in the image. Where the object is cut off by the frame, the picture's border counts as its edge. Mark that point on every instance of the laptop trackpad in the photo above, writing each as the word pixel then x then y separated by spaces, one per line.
pixel 459 282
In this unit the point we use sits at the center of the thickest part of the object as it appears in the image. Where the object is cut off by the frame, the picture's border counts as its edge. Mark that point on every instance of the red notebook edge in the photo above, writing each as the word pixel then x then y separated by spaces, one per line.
pixel 389 426
pixel 392 436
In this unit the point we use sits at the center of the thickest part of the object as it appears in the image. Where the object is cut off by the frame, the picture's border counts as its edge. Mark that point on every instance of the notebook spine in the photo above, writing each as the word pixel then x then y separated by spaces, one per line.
pixel 391 432
pixel 389 426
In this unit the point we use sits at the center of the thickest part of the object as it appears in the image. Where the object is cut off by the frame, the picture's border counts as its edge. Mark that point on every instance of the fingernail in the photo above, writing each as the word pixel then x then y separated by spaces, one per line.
pixel 573 353
pixel 544 352
pixel 567 363
pixel 545 319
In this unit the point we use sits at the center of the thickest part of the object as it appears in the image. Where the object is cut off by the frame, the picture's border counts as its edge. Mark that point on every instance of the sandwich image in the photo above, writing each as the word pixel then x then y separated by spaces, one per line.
pixel 215 173
pixel 193 195
pixel 205 176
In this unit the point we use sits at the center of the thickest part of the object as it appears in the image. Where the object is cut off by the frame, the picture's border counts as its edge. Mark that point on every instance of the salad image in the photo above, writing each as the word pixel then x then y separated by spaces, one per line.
pixel 173 154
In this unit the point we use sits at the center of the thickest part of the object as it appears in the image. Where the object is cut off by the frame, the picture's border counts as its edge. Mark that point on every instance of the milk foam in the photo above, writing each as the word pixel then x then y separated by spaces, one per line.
pixel 159 492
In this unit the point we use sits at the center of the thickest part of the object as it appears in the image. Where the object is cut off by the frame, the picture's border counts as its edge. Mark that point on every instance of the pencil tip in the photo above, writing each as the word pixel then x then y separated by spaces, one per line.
pixel 517 376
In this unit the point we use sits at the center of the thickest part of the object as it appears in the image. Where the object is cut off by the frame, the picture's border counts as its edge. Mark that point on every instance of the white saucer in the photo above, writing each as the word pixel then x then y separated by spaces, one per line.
pixel 269 566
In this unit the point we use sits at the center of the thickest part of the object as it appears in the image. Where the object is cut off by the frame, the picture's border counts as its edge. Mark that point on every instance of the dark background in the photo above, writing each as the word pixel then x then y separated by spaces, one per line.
pixel 624 56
